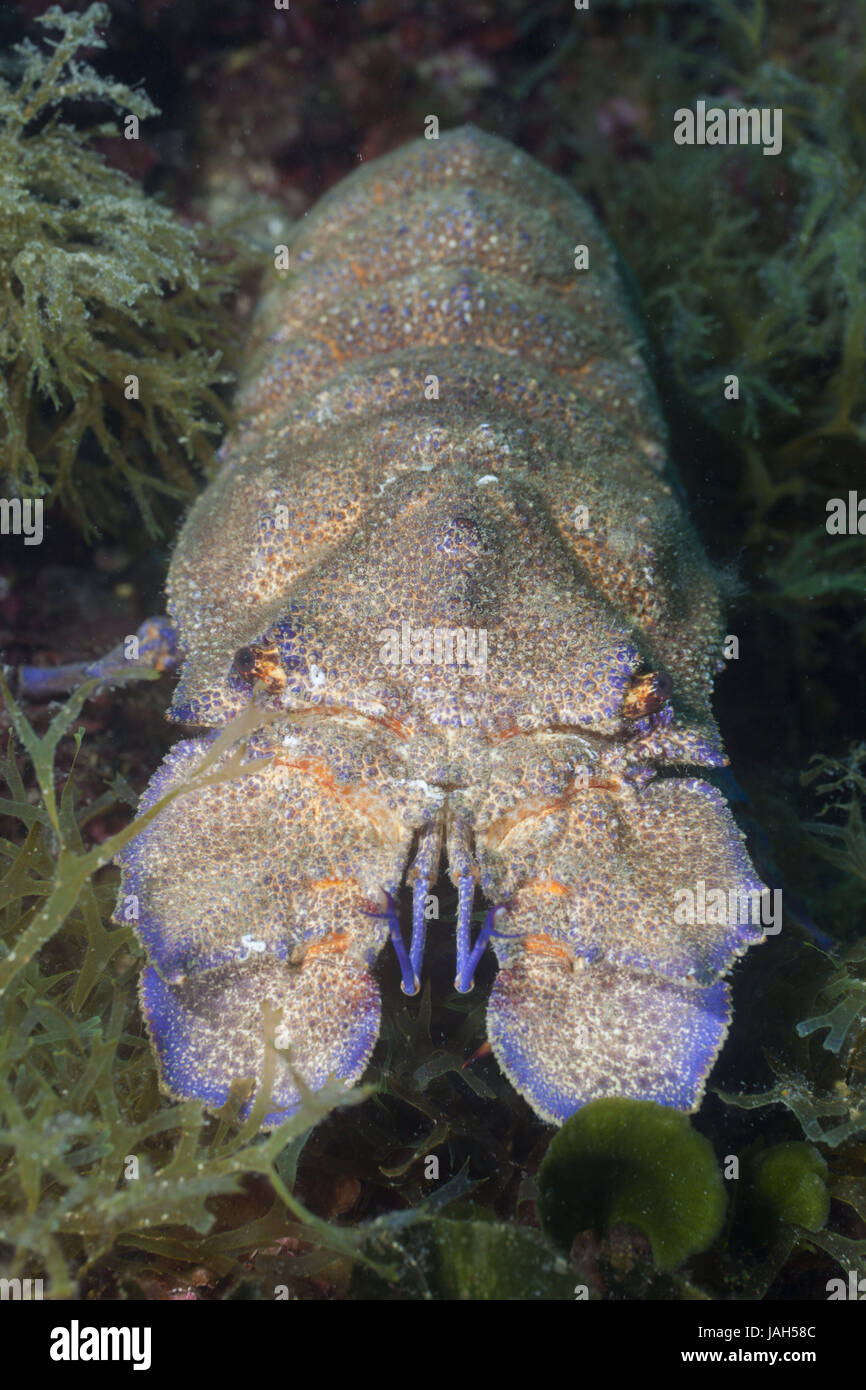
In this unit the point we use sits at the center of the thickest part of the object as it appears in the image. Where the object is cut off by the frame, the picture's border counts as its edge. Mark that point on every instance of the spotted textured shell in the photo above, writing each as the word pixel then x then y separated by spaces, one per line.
pixel 445 552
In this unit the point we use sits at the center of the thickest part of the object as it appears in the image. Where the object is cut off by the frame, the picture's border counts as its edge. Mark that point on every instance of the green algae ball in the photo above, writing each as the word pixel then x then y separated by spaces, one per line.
pixel 632 1160
pixel 788 1183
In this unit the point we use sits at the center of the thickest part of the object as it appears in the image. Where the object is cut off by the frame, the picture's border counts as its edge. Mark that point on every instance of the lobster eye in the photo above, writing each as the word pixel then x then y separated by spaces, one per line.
pixel 245 660
pixel 646 694
pixel 261 662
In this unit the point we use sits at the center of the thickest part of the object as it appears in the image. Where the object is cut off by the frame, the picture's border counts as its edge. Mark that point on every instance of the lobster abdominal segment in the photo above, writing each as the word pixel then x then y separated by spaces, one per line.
pixel 445 553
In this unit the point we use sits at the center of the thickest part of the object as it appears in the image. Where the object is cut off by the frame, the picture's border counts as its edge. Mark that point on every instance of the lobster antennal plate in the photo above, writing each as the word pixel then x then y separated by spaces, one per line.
pixel 566 1032
pixel 210 1030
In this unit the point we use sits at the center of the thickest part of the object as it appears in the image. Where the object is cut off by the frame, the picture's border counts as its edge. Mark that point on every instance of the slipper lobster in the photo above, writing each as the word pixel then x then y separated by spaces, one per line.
pixel 445 552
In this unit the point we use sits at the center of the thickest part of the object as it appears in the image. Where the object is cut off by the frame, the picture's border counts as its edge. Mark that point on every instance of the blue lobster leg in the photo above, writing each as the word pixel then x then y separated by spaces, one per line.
pixel 409 984
pixel 465 895
pixel 155 648
pixel 461 868
pixel 425 869
pixel 467 961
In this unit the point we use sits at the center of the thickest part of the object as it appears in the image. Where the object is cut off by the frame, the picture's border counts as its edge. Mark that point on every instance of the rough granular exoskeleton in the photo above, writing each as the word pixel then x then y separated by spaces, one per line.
pixel 446 428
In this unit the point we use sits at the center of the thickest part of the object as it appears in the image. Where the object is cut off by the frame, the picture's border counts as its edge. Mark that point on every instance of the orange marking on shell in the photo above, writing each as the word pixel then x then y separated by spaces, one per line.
pixel 388 721
pixel 364 803
pixel 316 768
pixel 544 945
pixel 339 354
pixel 502 734
pixel 536 806
pixel 547 885
pixel 384 721
pixel 527 810
pixel 333 945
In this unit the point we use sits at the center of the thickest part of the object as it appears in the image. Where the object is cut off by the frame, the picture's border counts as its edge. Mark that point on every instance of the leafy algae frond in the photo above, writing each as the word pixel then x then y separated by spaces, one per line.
pixel 829 1120
pixel 845 994
pixel 113 324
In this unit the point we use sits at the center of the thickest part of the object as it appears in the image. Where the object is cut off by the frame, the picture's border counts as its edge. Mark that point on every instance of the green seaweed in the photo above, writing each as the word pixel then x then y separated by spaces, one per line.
pixel 114 323
pixel 812 1110
pixel 845 993
pixel 849 1254
pixel 619 1160
pixel 765 277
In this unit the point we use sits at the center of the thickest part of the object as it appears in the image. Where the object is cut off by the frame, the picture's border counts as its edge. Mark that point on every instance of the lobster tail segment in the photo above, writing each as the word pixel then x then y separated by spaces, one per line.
pixel 569 1031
